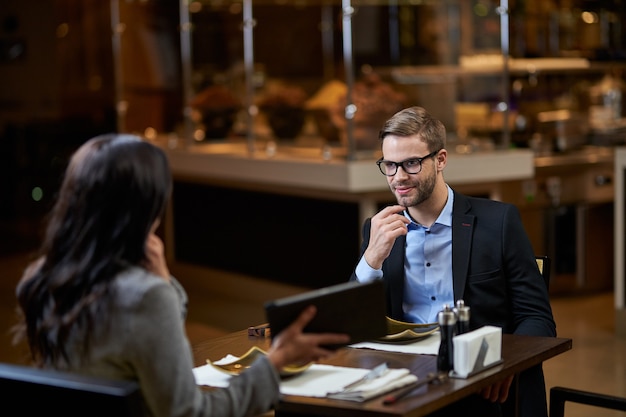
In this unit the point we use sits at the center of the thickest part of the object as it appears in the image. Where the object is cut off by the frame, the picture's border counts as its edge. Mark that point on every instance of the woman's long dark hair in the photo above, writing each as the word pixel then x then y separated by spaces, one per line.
pixel 115 188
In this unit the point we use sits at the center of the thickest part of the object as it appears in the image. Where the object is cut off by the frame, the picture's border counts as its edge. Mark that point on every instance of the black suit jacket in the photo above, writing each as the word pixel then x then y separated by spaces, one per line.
pixel 494 271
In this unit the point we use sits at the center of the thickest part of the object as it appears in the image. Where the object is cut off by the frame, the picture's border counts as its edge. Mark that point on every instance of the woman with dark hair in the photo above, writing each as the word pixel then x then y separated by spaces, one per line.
pixel 100 299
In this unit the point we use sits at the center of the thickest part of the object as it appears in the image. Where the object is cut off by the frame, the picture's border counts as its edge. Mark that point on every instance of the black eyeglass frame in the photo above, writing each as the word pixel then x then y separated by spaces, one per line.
pixel 402 164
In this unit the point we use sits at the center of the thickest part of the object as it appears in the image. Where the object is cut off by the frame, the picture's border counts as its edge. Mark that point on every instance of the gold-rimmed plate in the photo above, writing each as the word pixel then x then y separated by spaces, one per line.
pixel 402 331
pixel 237 366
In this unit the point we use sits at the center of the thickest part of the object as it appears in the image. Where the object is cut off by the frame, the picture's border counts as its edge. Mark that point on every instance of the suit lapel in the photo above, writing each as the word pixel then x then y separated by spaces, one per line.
pixel 395 265
pixel 462 231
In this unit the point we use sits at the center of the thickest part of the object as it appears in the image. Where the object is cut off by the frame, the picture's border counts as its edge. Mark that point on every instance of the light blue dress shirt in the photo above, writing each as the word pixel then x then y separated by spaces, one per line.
pixel 427 267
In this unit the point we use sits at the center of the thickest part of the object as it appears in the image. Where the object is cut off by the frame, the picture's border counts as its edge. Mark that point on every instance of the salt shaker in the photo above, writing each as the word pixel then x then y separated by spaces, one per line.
pixel 447 328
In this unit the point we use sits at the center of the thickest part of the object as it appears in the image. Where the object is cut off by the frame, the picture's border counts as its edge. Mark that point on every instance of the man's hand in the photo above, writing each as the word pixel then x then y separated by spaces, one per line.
pixel 155 257
pixel 499 391
pixel 387 226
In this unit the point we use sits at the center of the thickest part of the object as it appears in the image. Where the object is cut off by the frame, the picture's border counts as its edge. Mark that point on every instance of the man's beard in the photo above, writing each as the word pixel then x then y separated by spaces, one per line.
pixel 422 192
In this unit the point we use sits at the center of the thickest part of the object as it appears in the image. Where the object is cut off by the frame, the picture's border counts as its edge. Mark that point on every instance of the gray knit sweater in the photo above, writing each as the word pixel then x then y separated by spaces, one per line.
pixel 145 341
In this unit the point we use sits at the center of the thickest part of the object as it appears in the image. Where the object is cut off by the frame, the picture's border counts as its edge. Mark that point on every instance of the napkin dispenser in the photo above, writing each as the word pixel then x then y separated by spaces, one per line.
pixel 476 351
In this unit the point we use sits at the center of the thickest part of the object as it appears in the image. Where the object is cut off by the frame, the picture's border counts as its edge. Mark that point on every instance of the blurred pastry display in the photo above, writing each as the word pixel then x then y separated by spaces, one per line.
pixel 218 108
pixel 284 107
pixel 375 101
pixel 322 104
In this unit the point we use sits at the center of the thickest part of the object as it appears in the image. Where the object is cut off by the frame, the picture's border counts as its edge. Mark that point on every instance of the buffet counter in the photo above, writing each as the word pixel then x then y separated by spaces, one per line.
pixel 306 171
pixel 300 216
pixel 295 214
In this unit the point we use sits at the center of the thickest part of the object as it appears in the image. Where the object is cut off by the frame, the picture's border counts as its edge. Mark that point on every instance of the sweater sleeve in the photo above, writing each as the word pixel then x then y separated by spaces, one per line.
pixel 182 296
pixel 160 353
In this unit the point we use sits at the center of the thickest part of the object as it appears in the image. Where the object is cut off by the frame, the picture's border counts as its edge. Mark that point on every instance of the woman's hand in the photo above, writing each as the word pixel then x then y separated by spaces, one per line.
pixel 292 346
pixel 155 257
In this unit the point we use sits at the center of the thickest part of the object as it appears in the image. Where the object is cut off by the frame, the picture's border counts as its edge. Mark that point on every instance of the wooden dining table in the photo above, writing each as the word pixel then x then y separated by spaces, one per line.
pixel 518 353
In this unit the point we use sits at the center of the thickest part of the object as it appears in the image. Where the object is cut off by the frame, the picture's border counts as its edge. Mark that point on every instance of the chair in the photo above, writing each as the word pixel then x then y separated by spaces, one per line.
pixel 28 391
pixel 545 265
pixel 559 395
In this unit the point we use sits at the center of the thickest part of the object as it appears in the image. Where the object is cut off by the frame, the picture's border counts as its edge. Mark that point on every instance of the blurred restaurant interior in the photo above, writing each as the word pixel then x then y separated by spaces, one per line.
pixel 269 111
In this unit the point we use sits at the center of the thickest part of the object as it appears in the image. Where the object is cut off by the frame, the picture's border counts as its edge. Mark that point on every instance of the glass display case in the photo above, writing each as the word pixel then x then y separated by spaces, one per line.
pixel 283 100
pixel 296 73
pixel 319 77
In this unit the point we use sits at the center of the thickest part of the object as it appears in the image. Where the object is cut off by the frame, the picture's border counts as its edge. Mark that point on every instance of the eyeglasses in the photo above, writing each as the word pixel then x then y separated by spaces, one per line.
pixel 410 166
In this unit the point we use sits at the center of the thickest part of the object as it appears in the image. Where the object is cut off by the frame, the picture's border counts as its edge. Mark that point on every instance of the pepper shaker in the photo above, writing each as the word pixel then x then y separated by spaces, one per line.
pixel 447 328
pixel 463 317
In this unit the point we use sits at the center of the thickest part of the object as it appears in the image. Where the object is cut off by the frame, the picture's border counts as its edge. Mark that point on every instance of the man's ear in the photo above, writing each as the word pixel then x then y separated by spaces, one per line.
pixel 442 159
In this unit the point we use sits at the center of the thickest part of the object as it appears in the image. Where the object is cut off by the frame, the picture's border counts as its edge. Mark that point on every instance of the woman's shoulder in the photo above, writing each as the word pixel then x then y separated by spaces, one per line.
pixel 134 283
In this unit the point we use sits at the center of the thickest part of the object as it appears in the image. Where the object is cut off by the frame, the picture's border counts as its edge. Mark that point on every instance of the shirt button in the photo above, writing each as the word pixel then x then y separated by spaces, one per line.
pixel 433 298
pixel 427 263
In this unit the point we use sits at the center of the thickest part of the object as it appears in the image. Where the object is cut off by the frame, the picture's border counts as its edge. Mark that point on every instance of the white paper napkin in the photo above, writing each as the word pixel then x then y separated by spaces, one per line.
pixel 425 346
pixel 208 375
pixel 477 350
pixel 319 381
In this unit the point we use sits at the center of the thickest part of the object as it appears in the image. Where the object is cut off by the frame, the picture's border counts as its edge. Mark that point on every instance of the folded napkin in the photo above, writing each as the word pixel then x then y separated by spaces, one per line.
pixel 423 346
pixel 391 380
pixel 329 380
pixel 320 381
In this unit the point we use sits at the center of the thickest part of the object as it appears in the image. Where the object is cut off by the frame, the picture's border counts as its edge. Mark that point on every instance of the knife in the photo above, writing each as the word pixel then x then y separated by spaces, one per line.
pixel 373 374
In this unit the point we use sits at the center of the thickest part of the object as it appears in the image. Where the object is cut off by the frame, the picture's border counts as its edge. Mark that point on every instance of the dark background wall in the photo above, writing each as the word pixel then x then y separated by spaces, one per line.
pixel 57 91
pixel 295 240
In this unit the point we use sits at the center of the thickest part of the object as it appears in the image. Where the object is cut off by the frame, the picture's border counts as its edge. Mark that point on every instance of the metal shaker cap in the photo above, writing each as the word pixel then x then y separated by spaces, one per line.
pixel 446 316
pixel 462 311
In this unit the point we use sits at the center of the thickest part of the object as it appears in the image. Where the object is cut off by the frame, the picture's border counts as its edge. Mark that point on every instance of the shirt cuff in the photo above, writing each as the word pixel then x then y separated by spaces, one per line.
pixel 365 273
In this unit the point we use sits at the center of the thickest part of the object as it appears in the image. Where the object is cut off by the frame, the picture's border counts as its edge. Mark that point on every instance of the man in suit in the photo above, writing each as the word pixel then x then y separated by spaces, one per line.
pixel 437 246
